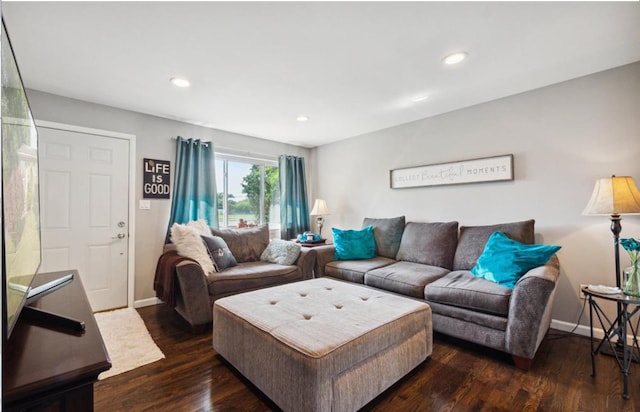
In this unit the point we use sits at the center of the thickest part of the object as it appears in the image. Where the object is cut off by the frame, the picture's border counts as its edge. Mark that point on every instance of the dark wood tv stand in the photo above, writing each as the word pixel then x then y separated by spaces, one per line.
pixel 48 369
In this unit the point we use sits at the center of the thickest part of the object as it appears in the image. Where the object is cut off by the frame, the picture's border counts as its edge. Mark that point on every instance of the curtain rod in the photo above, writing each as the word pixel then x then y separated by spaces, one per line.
pixel 227 151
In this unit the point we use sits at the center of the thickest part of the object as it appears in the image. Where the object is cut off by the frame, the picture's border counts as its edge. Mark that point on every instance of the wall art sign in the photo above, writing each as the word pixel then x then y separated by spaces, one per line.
pixel 487 169
pixel 156 179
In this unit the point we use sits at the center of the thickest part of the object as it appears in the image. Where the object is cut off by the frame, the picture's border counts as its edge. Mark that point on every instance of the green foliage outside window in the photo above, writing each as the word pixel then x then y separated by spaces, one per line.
pixel 251 187
pixel 243 193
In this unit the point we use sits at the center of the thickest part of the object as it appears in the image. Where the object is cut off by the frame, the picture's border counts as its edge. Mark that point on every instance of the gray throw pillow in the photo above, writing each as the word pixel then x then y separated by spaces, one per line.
pixel 473 239
pixel 387 233
pixel 246 244
pixel 429 243
pixel 220 253
pixel 281 252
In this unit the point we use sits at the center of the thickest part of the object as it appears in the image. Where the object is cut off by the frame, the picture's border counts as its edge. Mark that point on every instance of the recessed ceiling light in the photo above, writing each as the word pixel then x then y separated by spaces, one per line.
pixel 180 82
pixel 420 98
pixel 454 58
pixel 302 118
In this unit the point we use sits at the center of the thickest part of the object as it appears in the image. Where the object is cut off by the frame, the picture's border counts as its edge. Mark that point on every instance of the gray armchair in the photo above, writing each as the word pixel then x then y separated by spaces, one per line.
pixel 194 292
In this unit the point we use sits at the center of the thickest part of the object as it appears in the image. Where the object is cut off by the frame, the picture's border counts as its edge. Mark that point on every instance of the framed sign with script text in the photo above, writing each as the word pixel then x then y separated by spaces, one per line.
pixel 487 169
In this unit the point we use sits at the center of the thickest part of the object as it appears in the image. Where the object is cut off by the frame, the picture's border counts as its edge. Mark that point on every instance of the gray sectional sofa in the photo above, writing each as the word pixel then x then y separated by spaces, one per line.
pixel 432 262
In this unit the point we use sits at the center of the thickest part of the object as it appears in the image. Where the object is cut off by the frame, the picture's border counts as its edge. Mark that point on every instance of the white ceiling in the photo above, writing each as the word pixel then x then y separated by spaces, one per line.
pixel 352 67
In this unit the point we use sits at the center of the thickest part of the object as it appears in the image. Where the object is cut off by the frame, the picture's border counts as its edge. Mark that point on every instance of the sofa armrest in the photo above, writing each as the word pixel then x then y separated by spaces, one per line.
pixel 326 254
pixel 530 309
pixel 306 262
pixel 193 301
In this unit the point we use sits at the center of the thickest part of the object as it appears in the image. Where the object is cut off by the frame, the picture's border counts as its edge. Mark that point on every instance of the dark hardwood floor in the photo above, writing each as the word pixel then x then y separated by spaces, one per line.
pixel 458 377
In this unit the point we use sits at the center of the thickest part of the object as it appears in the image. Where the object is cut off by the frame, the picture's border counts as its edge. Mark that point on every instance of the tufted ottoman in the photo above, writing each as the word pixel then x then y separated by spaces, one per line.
pixel 322 344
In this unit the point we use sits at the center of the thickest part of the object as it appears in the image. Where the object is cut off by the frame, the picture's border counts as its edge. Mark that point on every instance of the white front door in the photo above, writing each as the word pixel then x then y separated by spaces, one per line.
pixel 84 186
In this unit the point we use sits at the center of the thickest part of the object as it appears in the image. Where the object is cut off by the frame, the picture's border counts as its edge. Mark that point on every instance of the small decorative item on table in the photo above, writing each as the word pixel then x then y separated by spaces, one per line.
pixel 309 239
pixel 632 273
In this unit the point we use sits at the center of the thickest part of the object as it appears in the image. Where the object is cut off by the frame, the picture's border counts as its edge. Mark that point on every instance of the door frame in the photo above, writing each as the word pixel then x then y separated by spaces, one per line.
pixel 131 185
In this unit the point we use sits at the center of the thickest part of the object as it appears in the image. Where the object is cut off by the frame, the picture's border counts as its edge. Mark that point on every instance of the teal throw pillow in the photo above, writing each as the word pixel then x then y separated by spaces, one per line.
pixel 504 261
pixel 354 244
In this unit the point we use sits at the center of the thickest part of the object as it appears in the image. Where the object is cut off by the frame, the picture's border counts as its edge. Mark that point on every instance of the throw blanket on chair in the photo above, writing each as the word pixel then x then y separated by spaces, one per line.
pixel 165 277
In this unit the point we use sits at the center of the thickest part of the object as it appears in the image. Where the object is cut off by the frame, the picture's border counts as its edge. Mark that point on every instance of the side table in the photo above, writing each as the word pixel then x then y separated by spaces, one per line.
pixel 619 327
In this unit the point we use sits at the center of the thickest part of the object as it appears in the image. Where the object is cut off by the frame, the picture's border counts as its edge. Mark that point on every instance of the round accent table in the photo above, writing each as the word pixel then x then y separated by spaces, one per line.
pixel 615 342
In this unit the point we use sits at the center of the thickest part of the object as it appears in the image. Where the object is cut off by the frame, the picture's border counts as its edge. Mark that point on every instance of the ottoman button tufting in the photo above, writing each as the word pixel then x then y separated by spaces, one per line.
pixel 307 317
pixel 365 298
pixel 273 302
pixel 304 295
pixel 338 306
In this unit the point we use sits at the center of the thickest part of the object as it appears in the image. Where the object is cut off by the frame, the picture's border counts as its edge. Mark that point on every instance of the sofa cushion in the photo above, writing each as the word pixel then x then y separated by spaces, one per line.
pixel 282 252
pixel 219 252
pixel 354 244
pixel 406 278
pixel 189 244
pixel 473 239
pixel 504 260
pixel 250 276
pixel 387 233
pixel 429 243
pixel 354 270
pixel 246 244
pixel 462 289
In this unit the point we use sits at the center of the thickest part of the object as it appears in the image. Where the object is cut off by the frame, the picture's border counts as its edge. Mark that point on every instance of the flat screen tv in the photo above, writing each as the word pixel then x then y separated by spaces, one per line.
pixel 20 199
pixel 21 251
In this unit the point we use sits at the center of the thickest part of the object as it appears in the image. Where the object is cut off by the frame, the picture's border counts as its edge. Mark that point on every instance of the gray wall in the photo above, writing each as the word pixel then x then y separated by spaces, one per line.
pixel 153 140
pixel 563 137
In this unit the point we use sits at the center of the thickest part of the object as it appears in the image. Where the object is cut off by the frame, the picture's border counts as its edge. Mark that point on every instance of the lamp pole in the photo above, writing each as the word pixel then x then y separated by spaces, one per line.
pixel 320 221
pixel 616 228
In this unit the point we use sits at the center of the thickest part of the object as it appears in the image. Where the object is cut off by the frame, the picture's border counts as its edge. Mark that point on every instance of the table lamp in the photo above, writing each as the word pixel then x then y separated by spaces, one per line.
pixel 319 210
pixel 614 196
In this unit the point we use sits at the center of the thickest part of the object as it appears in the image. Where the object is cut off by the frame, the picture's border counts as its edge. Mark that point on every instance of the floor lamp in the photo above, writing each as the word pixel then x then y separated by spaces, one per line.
pixel 614 196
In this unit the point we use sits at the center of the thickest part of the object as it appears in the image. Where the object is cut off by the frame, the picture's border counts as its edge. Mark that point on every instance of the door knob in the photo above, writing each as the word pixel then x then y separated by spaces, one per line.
pixel 119 236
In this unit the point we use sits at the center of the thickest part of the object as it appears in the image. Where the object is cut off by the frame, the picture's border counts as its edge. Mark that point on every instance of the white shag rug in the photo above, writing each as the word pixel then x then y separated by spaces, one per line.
pixel 127 340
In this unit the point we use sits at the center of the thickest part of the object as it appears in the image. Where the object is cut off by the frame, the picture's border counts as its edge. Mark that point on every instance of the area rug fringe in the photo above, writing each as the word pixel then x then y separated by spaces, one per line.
pixel 127 341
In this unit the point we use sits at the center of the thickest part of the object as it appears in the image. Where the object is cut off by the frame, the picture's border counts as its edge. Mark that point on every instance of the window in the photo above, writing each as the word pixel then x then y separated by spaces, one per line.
pixel 248 191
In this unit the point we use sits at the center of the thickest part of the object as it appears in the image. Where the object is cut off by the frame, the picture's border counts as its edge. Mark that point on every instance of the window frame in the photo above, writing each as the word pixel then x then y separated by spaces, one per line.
pixel 262 162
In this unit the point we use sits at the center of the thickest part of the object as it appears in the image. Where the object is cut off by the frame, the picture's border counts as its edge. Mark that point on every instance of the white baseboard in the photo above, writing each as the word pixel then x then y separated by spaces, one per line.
pixel 146 302
pixel 582 330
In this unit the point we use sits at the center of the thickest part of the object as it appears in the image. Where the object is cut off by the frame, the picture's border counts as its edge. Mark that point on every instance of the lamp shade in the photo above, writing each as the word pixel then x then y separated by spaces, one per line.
pixel 614 195
pixel 319 208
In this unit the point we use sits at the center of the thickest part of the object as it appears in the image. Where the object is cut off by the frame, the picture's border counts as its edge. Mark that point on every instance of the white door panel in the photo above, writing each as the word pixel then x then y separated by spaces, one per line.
pixel 84 207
